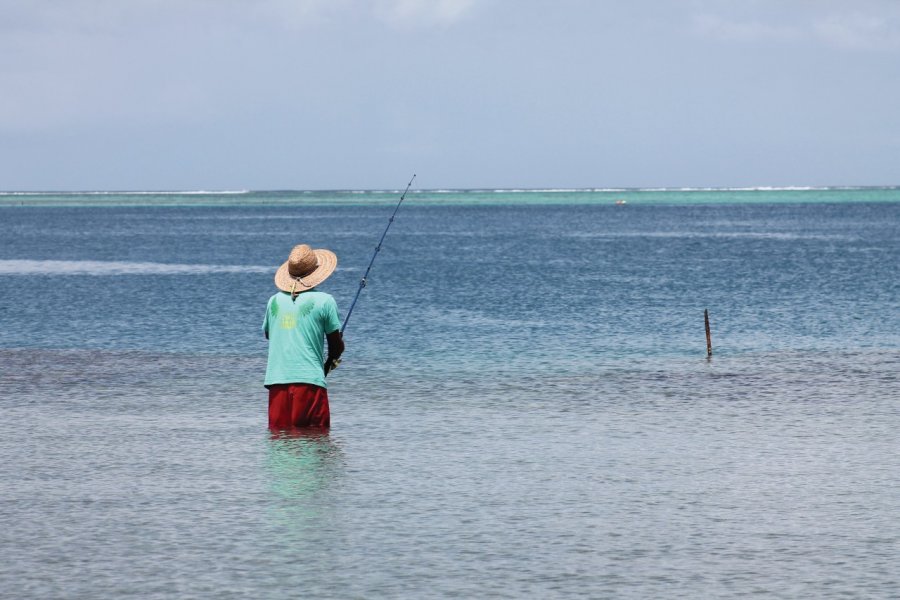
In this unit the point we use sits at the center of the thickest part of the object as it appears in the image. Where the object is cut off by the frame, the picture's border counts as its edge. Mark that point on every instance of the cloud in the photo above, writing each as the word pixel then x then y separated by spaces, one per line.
pixel 709 25
pixel 98 16
pixel 407 13
pixel 82 62
pixel 873 26
pixel 860 31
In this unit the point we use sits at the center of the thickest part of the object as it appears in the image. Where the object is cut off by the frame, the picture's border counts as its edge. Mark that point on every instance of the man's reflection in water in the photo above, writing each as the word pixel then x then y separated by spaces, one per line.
pixel 303 464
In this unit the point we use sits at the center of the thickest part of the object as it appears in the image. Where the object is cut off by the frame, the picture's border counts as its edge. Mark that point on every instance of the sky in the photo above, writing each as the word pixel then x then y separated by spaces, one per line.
pixel 361 94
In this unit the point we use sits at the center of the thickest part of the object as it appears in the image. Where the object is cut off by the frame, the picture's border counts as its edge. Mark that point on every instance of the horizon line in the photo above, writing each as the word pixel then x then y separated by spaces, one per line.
pixel 440 190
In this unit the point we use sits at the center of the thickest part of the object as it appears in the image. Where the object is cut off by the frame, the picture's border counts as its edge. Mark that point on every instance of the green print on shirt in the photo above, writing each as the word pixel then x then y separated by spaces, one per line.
pixel 305 308
pixel 289 320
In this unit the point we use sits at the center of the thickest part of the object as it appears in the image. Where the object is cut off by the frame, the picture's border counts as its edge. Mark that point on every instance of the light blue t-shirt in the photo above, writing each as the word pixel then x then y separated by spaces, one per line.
pixel 296 330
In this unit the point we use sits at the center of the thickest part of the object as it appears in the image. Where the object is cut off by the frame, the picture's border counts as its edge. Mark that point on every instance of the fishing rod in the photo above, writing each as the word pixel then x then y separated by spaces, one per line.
pixel 364 281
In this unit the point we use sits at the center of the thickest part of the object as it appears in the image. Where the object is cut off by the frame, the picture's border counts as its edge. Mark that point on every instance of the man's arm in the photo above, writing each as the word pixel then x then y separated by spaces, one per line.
pixel 335 344
pixel 335 349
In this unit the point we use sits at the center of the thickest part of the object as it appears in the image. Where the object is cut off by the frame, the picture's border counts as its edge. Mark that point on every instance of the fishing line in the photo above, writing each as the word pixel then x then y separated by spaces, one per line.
pixel 365 278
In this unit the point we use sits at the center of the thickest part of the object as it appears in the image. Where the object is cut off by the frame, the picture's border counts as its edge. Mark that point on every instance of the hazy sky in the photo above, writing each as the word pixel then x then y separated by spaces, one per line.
pixel 324 94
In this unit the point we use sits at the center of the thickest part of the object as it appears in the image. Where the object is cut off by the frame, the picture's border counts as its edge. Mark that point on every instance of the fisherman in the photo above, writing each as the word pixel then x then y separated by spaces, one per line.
pixel 298 320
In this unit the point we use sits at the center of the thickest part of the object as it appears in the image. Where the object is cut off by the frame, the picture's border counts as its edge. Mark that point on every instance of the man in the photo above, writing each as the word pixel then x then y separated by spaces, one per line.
pixel 298 319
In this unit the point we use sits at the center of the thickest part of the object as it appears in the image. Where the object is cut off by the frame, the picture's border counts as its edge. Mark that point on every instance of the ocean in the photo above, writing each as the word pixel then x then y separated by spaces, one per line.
pixel 525 409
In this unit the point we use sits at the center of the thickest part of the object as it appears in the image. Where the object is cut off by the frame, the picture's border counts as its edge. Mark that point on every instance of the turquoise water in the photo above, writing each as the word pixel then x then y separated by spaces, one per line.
pixel 460 197
pixel 525 408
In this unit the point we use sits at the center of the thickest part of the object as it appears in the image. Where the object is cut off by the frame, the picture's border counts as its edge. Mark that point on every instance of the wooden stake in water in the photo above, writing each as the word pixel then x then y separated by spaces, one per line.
pixel 708 338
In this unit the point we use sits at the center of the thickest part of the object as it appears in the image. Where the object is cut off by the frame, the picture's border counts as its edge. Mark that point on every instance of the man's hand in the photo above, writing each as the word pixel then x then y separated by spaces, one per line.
pixel 331 364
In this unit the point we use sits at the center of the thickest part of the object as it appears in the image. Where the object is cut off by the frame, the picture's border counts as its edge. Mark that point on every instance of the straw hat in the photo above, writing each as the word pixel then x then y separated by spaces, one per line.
pixel 304 269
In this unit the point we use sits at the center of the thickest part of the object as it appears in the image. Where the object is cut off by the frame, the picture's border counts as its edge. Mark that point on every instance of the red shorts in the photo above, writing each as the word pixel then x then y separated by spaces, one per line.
pixel 298 405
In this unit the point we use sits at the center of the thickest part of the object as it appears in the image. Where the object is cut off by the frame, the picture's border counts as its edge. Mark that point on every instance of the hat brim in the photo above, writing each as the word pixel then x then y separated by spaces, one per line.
pixel 327 264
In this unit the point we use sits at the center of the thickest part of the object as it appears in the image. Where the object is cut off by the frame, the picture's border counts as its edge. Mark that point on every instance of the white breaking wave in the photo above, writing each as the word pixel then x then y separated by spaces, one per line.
pixel 539 191
pixel 59 268
pixel 133 193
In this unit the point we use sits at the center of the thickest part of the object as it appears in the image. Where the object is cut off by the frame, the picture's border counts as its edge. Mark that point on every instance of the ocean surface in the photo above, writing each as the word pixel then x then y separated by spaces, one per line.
pixel 525 409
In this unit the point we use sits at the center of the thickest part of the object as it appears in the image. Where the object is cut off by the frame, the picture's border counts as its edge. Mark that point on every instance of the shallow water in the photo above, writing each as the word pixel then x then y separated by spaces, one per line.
pixel 525 409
